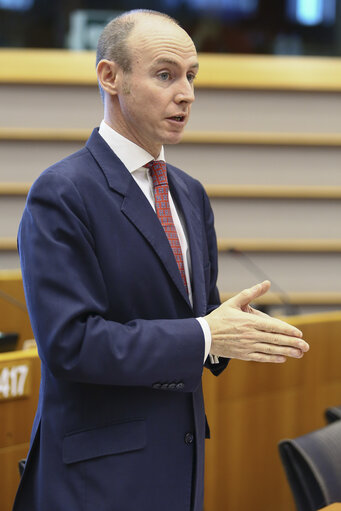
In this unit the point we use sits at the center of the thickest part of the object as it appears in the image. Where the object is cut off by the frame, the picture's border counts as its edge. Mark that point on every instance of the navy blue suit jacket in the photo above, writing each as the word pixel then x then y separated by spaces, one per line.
pixel 120 424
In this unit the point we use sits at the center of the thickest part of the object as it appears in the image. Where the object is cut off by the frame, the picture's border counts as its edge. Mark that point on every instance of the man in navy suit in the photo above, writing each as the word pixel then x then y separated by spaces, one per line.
pixel 123 328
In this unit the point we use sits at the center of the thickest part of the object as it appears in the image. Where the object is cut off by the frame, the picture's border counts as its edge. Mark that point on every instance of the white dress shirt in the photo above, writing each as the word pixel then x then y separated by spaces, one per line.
pixel 134 158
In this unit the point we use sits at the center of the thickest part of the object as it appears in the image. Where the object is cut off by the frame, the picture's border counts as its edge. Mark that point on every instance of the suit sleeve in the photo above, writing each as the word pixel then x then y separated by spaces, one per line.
pixel 68 304
pixel 213 294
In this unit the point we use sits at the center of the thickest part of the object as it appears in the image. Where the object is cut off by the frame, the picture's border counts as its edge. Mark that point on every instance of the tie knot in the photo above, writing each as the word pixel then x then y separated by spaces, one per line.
pixel 158 172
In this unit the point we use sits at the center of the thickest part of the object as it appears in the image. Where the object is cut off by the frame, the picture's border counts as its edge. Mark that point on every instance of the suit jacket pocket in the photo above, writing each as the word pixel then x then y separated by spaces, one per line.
pixel 115 438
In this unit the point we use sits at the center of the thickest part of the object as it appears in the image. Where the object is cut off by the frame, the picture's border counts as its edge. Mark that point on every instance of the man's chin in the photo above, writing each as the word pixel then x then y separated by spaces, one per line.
pixel 173 138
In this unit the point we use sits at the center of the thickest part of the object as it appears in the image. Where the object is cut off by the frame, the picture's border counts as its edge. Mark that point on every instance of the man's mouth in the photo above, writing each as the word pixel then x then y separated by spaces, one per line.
pixel 177 118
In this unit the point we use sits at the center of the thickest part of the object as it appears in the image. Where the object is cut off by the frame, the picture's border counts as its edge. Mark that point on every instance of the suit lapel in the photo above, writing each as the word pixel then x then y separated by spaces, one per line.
pixel 136 207
pixel 181 195
pixel 138 210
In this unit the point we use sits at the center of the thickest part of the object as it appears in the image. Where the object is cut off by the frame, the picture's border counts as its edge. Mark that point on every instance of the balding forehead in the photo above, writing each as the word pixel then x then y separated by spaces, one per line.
pixel 140 15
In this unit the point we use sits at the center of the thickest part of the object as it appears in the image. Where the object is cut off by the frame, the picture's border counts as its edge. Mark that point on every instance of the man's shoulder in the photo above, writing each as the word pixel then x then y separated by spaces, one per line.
pixel 76 167
pixel 66 170
pixel 71 163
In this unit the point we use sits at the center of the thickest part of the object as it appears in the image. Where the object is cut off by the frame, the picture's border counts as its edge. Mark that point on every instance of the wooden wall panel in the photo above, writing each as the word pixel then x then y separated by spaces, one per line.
pixel 233 164
pixel 9 473
pixel 276 218
pixel 14 316
pixel 31 157
pixel 254 406
pixel 214 110
pixel 260 110
pixel 17 414
pixel 292 272
pixel 251 164
pixel 51 106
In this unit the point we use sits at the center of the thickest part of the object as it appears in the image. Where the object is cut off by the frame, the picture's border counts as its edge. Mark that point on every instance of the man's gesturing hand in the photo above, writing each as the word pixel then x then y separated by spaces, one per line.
pixel 239 331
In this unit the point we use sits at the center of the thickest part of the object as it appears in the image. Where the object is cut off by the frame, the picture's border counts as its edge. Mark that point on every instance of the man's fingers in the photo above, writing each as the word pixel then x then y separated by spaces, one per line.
pixel 274 343
pixel 261 357
pixel 248 295
pixel 291 331
pixel 239 331
pixel 279 346
pixel 291 338
pixel 277 326
pixel 262 321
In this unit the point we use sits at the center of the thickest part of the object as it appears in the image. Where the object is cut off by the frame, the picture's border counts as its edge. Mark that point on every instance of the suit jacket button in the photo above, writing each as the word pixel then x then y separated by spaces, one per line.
pixel 189 438
pixel 180 386
pixel 156 385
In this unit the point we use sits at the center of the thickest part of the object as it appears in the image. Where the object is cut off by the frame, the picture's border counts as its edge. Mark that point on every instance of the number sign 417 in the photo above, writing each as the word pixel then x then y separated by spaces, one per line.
pixel 14 381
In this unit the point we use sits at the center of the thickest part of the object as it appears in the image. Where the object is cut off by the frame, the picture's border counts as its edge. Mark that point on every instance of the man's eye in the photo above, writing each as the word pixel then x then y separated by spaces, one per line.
pixel 191 77
pixel 164 76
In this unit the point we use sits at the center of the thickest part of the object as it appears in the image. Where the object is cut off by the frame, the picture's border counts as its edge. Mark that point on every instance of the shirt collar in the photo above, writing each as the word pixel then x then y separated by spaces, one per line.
pixel 131 155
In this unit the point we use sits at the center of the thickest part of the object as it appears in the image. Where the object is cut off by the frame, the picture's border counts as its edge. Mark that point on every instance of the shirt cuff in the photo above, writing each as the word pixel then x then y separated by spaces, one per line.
pixel 208 340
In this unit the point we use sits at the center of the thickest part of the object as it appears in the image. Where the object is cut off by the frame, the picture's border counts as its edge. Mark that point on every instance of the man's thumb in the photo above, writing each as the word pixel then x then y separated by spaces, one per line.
pixel 248 295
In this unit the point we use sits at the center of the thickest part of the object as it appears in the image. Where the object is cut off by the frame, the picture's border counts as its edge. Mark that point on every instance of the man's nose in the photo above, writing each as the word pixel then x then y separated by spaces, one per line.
pixel 185 93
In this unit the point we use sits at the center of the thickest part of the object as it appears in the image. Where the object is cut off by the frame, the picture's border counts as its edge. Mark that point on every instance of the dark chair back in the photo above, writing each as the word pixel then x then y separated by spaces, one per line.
pixel 312 464
pixel 21 466
pixel 332 414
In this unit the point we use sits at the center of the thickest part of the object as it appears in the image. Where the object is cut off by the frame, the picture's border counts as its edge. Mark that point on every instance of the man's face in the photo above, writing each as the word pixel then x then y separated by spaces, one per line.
pixel 155 98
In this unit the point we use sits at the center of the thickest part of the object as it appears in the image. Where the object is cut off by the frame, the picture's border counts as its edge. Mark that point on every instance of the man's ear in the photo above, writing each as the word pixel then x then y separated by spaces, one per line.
pixel 107 74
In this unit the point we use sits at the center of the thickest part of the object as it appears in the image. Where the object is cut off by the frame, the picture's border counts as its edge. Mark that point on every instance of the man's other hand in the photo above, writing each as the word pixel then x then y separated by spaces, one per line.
pixel 239 331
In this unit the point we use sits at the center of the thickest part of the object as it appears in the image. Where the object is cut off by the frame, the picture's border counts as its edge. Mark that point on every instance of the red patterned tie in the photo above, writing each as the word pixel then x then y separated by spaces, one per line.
pixel 158 172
